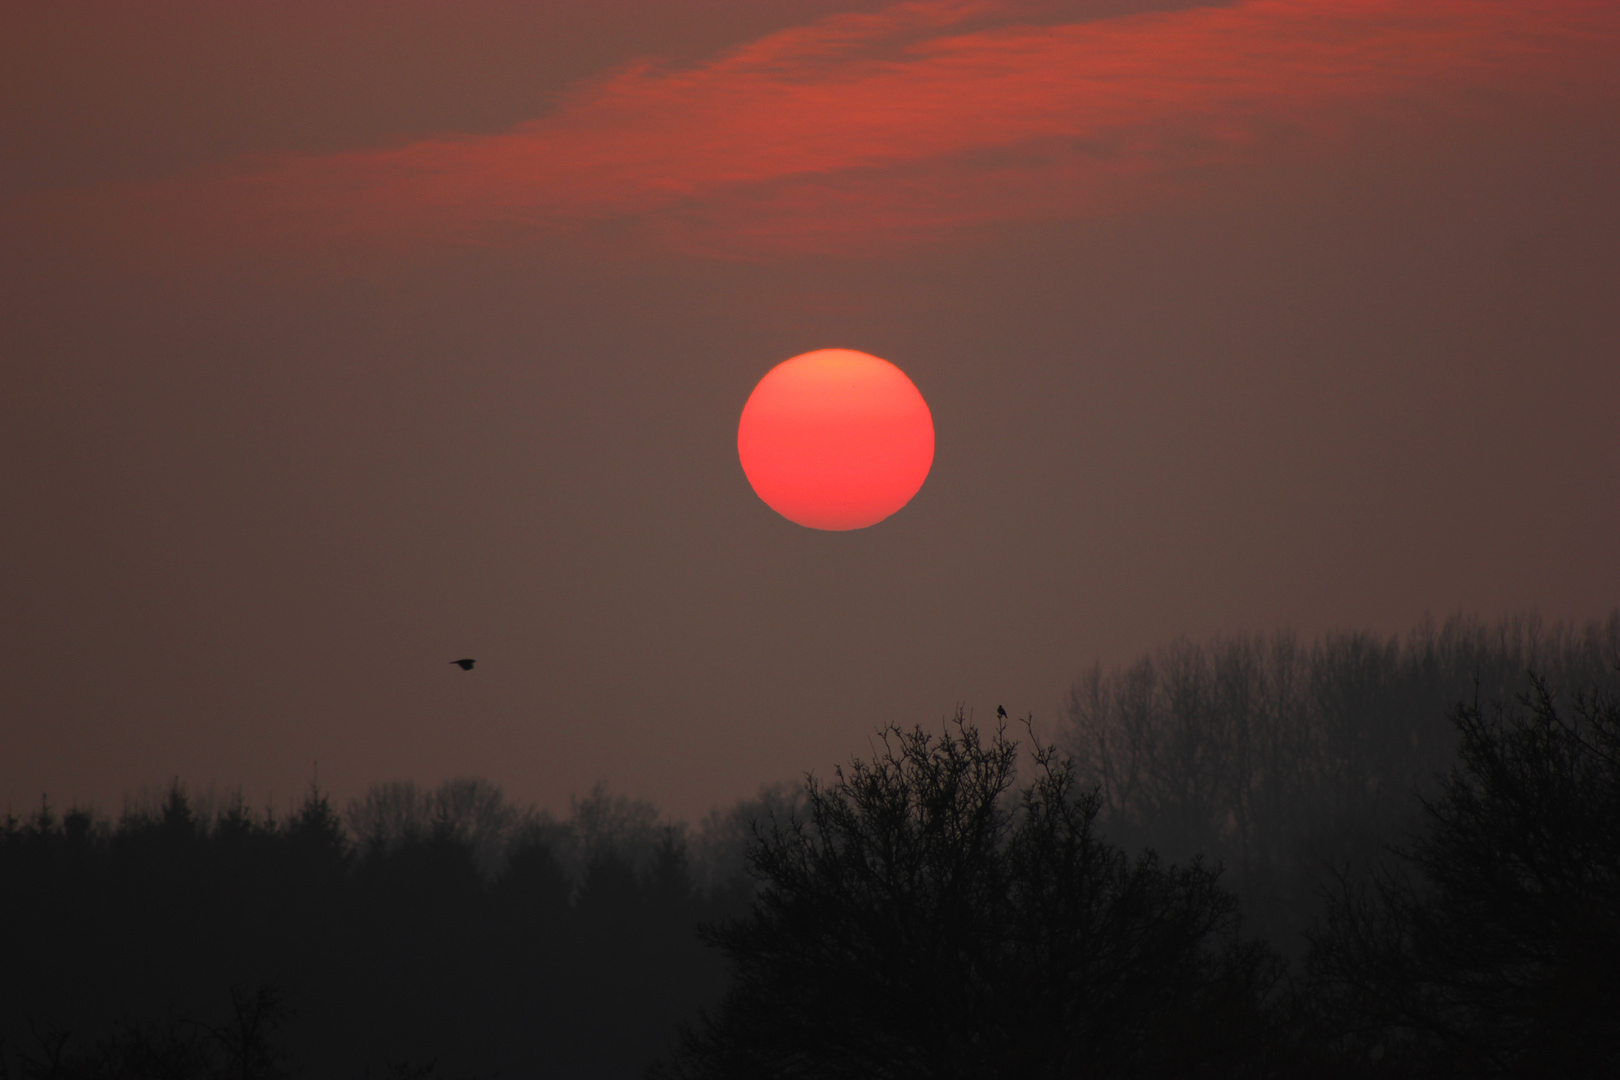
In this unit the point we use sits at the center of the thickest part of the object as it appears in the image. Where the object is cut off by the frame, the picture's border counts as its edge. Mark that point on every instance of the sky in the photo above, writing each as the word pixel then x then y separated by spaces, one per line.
pixel 342 339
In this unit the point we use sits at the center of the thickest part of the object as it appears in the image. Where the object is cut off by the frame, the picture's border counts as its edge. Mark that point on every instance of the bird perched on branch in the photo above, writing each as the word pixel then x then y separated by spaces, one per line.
pixel 465 665
pixel 1001 713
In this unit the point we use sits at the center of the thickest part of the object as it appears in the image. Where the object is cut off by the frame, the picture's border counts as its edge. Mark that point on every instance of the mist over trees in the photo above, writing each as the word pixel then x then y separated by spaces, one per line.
pixel 1356 857
pixel 1275 757
pixel 923 919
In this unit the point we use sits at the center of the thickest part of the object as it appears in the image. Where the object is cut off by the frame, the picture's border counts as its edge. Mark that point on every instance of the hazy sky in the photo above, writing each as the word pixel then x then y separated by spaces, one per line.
pixel 342 339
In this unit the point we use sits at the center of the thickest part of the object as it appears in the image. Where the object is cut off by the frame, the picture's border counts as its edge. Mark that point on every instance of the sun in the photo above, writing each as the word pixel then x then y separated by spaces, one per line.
pixel 836 439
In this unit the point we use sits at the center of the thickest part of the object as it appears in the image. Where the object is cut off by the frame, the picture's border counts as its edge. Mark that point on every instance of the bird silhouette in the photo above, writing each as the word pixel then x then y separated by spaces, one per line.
pixel 1001 712
pixel 465 665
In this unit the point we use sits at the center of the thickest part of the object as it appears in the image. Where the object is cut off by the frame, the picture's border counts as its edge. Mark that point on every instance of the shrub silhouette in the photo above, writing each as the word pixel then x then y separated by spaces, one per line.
pixel 1490 948
pixel 923 919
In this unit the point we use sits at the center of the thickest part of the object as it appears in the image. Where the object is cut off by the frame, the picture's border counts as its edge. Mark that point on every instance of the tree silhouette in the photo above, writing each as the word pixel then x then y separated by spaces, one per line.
pixel 923 919
pixel 1491 948
pixel 1276 755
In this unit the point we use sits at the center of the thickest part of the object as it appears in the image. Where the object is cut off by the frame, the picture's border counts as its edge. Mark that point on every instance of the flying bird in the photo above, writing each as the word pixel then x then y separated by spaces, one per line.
pixel 1001 712
pixel 465 665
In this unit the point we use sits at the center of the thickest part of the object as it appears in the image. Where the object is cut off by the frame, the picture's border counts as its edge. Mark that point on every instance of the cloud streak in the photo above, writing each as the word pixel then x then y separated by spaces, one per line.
pixel 867 132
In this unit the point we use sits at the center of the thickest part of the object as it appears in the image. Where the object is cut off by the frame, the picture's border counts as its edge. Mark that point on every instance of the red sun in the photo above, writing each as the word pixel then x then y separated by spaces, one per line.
pixel 836 439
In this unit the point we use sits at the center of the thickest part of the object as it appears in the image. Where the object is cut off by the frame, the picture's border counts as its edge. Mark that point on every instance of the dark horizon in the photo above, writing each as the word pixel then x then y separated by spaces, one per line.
pixel 1344 858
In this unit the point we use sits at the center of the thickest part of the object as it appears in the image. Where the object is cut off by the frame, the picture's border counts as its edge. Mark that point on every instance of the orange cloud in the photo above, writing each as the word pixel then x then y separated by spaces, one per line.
pixel 863 131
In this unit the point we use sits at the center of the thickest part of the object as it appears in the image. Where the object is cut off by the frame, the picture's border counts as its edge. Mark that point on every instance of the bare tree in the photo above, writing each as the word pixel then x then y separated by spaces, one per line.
pixel 473 812
pixel 927 918
pixel 1490 947
pixel 1276 758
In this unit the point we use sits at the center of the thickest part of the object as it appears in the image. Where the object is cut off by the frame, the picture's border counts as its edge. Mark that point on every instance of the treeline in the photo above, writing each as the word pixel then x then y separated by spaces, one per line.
pixel 1247 858
pixel 931 917
pixel 439 925
pixel 1276 758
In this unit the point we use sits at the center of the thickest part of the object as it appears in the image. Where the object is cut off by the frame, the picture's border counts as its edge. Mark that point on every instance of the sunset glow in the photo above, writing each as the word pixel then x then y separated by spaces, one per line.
pixel 385 599
pixel 860 131
pixel 836 439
